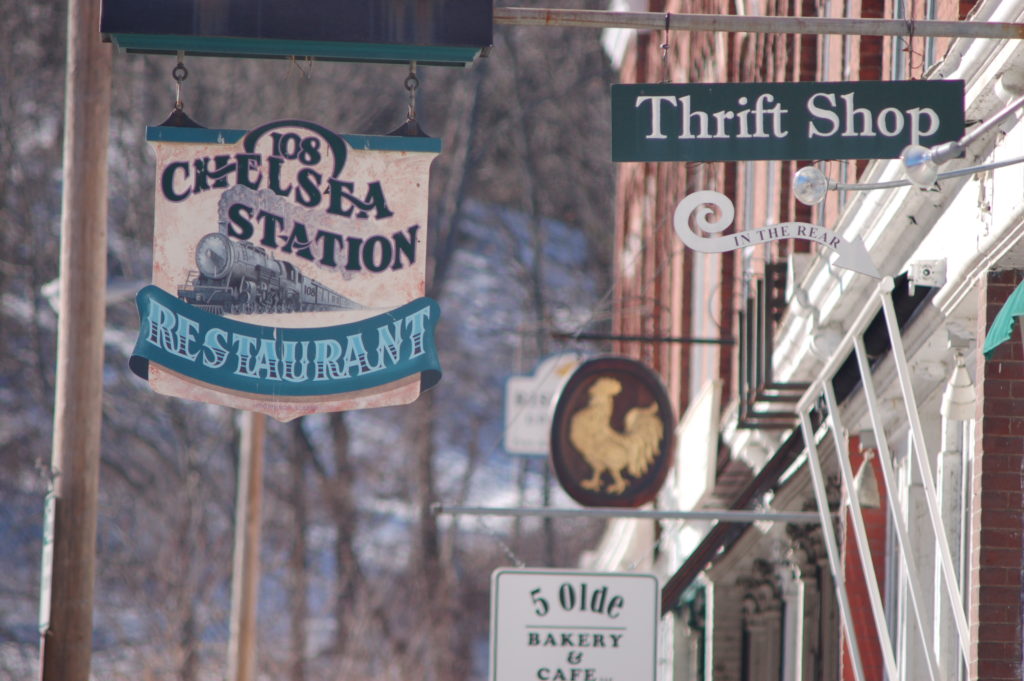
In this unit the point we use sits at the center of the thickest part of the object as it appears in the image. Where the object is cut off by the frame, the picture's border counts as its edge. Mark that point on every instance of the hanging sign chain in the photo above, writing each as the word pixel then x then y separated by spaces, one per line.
pixel 179 73
pixel 664 50
pixel 411 83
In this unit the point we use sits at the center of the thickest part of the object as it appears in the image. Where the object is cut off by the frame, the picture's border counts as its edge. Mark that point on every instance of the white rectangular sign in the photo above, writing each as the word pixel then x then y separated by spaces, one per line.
pixel 571 625
pixel 528 404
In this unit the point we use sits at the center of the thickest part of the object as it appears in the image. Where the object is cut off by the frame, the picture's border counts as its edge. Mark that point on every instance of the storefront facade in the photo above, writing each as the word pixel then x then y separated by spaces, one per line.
pixel 868 400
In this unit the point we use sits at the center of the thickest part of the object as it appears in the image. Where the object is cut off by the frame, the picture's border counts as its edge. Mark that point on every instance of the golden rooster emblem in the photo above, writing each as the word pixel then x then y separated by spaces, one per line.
pixel 607 450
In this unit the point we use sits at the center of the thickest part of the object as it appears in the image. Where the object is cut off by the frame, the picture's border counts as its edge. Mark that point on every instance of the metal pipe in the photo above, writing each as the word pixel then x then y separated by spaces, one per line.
pixel 867 312
pixel 895 509
pixel 565 335
pixel 720 515
pixel 920 451
pixel 860 535
pixel 659 21
pixel 828 532
pixel 983 128
pixel 942 153
pixel 890 184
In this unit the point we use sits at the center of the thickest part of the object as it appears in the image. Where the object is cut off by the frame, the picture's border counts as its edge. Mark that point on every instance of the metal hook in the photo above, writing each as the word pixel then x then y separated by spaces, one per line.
pixel 179 73
pixel 411 128
pixel 664 51
pixel 305 68
pixel 411 84
pixel 178 117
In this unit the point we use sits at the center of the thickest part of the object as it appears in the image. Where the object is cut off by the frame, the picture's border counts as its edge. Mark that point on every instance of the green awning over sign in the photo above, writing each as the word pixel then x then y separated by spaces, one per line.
pixel 1002 327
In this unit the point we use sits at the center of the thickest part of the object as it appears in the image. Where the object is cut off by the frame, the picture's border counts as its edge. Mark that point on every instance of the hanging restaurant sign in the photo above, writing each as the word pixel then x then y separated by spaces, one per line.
pixel 289 269
pixel 699 207
pixel 445 32
pixel 612 433
pixel 782 121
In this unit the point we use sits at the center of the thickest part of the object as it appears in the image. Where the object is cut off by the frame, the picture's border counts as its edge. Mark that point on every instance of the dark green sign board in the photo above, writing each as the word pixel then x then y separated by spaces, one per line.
pixel 782 121
pixel 446 32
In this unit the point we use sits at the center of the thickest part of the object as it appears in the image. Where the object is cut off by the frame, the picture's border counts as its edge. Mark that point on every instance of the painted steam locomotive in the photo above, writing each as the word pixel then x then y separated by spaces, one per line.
pixel 237 277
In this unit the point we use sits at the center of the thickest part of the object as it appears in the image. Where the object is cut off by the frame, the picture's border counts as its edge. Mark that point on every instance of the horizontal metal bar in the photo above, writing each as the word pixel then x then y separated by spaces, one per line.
pixel 565 335
pixel 748 424
pixel 720 515
pixel 656 21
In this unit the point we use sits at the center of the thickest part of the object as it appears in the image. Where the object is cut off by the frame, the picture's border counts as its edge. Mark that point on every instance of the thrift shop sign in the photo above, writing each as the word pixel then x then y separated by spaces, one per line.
pixel 782 121
pixel 289 269
pixel 570 625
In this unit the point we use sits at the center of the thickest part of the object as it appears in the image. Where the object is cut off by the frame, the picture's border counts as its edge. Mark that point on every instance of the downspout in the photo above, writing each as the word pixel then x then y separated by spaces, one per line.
pixel 958 407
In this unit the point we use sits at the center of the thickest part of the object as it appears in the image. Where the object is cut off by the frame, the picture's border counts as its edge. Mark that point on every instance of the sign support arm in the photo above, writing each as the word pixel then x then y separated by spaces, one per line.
pixel 660 21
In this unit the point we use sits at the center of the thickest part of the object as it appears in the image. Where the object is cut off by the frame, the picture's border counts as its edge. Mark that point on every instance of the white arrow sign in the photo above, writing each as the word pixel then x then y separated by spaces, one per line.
pixel 852 254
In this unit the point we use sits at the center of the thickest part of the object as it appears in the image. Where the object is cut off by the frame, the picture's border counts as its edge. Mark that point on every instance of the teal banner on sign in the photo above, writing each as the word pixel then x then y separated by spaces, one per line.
pixel 783 121
pixel 267 360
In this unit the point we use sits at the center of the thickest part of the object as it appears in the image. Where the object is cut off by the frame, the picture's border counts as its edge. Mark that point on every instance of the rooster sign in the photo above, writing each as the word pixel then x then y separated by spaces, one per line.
pixel 611 434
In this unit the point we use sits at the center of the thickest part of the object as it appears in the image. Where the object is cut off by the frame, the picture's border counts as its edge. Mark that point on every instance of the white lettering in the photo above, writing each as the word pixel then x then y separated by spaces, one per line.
pixel 818 112
pixel 915 116
pixel 688 116
pixel 851 112
pixel 883 121
pixel 776 113
pixel 656 101
pixel 741 116
pixel 720 118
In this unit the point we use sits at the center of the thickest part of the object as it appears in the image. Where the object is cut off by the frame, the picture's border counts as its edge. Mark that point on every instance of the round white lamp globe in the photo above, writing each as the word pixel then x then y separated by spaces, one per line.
pixel 809 186
pixel 919 165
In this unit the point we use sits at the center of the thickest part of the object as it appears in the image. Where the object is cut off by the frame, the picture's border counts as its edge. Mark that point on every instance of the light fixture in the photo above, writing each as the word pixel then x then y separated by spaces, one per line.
pixel 920 164
pixel 810 185
pixel 864 186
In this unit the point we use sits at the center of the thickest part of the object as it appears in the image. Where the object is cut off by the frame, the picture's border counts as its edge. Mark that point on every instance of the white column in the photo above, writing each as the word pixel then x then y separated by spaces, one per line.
pixel 914 664
pixel 949 477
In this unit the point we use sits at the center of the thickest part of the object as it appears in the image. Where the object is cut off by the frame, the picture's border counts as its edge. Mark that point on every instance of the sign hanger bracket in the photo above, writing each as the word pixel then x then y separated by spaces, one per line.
pixel 721 515
pixel 662 21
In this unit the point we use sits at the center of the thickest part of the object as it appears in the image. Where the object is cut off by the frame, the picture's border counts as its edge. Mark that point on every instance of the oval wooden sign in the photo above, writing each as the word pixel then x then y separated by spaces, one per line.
pixel 612 433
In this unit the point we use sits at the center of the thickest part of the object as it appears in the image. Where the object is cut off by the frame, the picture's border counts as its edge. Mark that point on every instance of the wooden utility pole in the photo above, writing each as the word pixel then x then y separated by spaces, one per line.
pixel 69 561
pixel 245 578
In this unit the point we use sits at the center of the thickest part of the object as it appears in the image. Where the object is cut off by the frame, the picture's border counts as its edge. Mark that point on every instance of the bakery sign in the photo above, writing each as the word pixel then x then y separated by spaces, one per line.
pixel 782 121
pixel 573 625
pixel 289 270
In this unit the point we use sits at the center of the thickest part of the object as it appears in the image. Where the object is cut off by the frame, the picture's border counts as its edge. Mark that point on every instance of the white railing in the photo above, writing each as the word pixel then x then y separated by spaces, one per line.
pixel 822 388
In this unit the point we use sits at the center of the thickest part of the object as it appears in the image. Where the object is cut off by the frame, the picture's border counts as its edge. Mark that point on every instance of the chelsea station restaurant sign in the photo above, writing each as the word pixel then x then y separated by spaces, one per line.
pixel 289 270
pixel 783 121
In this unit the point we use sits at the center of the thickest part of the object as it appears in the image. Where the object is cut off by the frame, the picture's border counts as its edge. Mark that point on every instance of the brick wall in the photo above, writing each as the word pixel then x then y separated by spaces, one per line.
pixel 997 498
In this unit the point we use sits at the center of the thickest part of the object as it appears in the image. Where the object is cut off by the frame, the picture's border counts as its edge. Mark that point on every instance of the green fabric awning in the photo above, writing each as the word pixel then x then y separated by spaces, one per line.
pixel 1002 327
